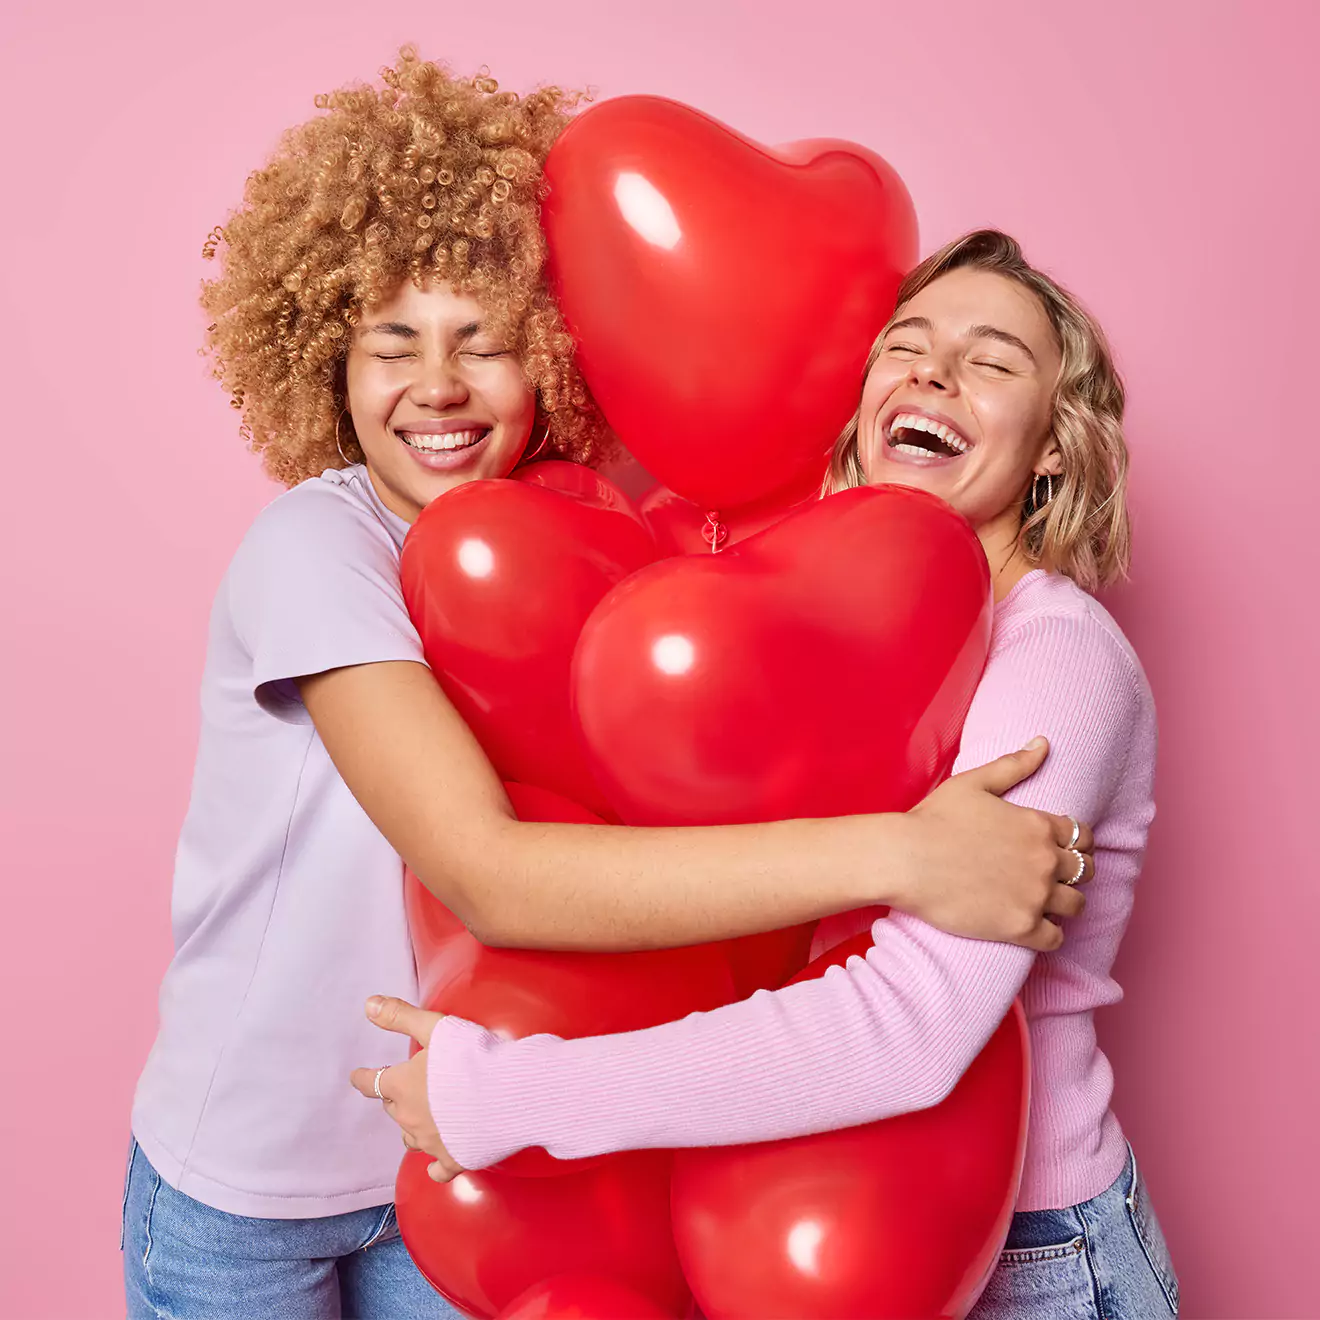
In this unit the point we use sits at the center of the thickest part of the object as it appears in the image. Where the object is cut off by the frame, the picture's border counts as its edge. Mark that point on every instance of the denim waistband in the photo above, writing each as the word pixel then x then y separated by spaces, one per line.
pixel 1033 1229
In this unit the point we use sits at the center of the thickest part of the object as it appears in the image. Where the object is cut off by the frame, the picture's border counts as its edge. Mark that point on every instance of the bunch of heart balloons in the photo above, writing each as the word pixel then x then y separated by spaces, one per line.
pixel 724 297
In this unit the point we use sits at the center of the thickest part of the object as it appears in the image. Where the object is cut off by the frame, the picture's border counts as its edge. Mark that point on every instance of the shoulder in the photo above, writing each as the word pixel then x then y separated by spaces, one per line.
pixel 320 555
pixel 1064 637
pixel 331 514
pixel 1060 666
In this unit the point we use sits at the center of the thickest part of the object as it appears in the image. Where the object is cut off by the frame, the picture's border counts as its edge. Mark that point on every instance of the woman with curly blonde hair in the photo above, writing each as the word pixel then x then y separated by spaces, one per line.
pixel 992 388
pixel 383 324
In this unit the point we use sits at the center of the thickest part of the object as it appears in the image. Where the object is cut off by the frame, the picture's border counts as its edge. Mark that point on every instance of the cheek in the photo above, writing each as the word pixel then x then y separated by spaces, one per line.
pixel 352 382
pixel 511 399
pixel 879 385
pixel 1012 431
pixel 877 389
pixel 369 396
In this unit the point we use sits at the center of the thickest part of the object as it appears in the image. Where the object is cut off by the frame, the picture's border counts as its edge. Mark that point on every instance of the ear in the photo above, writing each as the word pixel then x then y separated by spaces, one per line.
pixel 1050 462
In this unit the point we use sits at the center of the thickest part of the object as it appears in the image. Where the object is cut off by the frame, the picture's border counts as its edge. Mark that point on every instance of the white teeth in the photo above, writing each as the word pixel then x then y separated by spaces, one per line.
pixel 912 422
pixel 441 443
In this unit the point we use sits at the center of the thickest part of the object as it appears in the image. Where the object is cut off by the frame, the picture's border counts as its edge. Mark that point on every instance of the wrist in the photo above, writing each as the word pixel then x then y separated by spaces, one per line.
pixel 883 851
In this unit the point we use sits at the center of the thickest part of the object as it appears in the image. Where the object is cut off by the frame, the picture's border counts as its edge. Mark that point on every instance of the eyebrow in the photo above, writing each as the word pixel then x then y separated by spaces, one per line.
pixel 974 332
pixel 993 332
pixel 912 323
pixel 399 329
pixel 402 330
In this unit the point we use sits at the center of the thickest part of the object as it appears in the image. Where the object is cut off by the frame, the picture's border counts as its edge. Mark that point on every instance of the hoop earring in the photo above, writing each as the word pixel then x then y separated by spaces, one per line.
pixel 1037 504
pixel 540 444
pixel 339 444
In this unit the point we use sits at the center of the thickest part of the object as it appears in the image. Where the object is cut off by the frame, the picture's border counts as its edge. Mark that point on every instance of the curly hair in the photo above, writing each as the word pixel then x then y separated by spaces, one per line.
pixel 1082 529
pixel 424 177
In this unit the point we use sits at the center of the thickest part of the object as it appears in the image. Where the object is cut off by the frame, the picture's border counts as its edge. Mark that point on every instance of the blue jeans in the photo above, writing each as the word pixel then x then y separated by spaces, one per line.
pixel 187 1261
pixel 1102 1260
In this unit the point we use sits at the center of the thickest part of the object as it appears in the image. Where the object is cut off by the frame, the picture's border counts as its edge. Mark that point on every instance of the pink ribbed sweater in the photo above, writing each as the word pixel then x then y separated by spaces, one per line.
pixel 893 1031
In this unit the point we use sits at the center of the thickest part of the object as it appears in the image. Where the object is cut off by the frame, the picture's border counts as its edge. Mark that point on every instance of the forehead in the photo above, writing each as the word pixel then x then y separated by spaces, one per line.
pixel 433 303
pixel 964 298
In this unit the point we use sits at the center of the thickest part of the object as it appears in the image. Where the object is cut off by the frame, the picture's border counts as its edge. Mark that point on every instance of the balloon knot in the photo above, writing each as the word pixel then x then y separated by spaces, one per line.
pixel 714 532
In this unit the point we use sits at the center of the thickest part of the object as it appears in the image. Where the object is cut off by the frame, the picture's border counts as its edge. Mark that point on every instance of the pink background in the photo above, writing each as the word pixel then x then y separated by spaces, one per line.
pixel 1160 157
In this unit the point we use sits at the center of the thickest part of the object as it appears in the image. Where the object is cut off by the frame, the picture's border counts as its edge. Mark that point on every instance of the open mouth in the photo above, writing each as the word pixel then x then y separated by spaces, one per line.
pixel 449 443
pixel 923 437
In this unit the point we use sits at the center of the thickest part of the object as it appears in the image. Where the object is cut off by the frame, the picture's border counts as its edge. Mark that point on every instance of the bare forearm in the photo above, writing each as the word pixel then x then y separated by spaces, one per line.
pixel 418 772
pixel 609 888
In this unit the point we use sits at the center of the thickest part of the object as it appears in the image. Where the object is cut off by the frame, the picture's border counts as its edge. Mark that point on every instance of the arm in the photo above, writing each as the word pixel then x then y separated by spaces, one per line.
pixel 314 598
pixel 421 776
pixel 884 1035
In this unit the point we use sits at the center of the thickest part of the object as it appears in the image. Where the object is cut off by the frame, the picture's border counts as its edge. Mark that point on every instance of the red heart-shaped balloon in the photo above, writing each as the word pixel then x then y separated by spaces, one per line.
pixel 820 668
pixel 485 1238
pixel 892 1220
pixel 524 992
pixel 499 577
pixel 583 1297
pixel 724 295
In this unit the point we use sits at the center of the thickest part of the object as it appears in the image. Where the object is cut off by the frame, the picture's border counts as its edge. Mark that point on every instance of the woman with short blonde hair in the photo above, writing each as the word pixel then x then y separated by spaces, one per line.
pixel 993 389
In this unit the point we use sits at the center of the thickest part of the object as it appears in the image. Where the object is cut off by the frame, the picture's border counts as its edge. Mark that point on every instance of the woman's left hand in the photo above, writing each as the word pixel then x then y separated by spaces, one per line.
pixel 403 1087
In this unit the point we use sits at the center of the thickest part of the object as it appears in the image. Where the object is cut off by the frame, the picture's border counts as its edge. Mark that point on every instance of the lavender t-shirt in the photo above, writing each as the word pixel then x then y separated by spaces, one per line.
pixel 288 902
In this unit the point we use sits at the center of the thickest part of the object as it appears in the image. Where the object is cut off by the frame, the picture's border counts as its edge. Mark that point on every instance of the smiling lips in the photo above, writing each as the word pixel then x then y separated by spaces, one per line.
pixel 442 442
pixel 924 437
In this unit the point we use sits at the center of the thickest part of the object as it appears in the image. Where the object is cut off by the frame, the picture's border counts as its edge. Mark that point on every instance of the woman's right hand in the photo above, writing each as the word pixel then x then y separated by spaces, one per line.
pixel 989 870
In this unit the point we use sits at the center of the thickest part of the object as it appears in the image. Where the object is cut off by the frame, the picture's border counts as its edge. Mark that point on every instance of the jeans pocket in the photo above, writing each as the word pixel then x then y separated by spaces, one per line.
pixel 1151 1236
pixel 1046 1282
pixel 128 1179
pixel 1034 1255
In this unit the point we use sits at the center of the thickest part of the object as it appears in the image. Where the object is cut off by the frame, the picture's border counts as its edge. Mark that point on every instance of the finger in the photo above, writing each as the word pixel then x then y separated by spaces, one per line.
pixel 1066 901
pixel 1045 938
pixel 408 1141
pixel 1007 772
pixel 364 1082
pixel 438 1173
pixel 407 1019
pixel 1066 872
pixel 1063 832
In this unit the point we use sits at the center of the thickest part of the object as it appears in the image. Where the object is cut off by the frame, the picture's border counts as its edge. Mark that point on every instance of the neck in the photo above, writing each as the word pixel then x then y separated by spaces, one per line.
pixel 1008 562
pixel 397 504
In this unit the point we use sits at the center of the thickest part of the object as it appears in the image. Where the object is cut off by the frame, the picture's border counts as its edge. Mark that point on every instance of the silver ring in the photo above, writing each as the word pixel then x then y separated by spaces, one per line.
pixel 375 1085
pixel 1081 867
pixel 1076 834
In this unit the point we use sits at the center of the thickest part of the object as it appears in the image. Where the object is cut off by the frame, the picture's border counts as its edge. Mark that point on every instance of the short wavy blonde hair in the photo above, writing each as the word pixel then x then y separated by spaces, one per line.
pixel 1083 529
pixel 423 177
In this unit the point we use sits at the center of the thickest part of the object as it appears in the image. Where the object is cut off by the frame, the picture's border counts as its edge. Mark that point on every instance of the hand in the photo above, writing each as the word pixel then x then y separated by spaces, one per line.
pixel 991 870
pixel 403 1087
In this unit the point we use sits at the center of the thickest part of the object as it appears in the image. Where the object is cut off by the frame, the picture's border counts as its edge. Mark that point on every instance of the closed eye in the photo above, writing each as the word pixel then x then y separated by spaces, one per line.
pixel 902 348
pixel 995 366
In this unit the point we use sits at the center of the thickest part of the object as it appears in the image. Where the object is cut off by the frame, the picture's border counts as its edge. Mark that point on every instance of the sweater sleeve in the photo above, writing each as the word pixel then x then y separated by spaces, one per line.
pixel 883 1035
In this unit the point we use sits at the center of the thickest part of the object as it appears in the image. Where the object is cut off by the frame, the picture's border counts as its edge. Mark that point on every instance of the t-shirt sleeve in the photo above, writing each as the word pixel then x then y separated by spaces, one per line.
pixel 315 586
pixel 882 1035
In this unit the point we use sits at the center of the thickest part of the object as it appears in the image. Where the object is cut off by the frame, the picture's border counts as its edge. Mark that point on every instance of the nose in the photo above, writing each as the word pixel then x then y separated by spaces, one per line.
pixel 439 384
pixel 933 372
